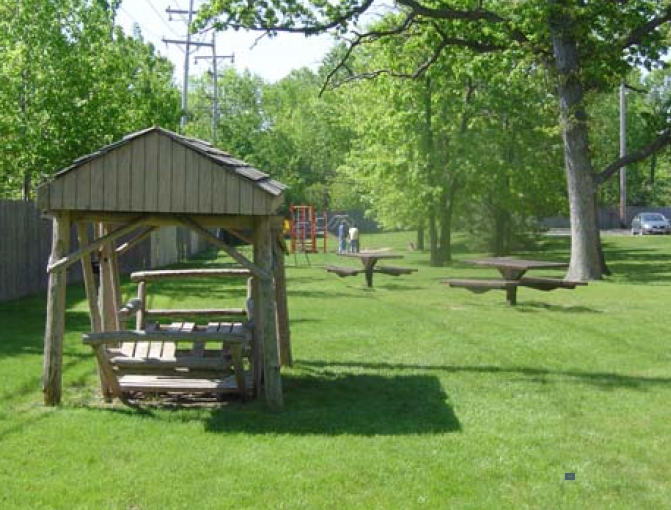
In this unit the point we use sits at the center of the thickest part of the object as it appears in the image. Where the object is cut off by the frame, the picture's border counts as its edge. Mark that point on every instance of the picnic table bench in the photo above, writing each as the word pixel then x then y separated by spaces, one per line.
pixel 369 260
pixel 343 271
pixel 512 271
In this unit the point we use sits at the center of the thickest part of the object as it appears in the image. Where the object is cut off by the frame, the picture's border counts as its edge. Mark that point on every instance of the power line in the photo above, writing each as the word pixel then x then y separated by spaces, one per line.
pixel 142 28
pixel 214 58
pixel 161 18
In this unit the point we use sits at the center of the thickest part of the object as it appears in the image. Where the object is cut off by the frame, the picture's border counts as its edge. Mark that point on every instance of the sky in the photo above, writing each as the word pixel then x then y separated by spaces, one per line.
pixel 272 59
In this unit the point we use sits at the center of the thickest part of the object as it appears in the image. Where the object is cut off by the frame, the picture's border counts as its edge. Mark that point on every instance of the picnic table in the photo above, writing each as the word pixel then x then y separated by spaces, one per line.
pixel 369 259
pixel 512 272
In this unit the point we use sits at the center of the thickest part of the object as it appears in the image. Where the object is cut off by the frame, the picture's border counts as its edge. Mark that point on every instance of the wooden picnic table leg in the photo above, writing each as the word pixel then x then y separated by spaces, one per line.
pixel 511 295
pixel 511 291
pixel 512 274
pixel 369 265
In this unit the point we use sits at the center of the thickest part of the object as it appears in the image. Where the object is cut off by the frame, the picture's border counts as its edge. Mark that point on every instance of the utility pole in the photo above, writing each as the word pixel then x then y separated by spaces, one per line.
pixel 215 83
pixel 188 43
pixel 623 153
pixel 214 57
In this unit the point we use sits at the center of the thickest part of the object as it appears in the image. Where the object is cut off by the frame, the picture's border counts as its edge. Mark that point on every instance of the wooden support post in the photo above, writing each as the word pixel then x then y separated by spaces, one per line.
pixel 52 369
pixel 283 331
pixel 142 312
pixel 89 279
pixel 110 321
pixel 116 275
pixel 253 311
pixel 511 295
pixel 92 298
pixel 265 320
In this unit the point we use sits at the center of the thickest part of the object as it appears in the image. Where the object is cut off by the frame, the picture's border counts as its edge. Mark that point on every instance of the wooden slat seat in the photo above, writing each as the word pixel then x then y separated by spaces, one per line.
pixel 175 384
pixel 549 283
pixel 152 361
pixel 481 285
pixel 343 271
pixel 394 271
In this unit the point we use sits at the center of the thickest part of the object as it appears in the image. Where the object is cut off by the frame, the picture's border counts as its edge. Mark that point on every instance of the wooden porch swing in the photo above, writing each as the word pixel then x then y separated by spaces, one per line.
pixel 150 179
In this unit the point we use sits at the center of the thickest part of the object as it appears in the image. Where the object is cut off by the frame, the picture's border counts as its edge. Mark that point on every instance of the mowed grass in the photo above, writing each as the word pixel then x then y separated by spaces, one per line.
pixel 408 395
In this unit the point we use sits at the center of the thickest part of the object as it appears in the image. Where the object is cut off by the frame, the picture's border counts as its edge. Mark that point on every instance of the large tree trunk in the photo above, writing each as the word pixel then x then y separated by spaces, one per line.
pixel 445 229
pixel 420 236
pixel 501 240
pixel 599 246
pixel 585 262
pixel 433 239
pixel 446 222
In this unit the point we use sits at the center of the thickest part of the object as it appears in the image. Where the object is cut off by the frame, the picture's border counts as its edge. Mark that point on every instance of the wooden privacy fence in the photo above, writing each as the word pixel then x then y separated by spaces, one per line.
pixel 25 245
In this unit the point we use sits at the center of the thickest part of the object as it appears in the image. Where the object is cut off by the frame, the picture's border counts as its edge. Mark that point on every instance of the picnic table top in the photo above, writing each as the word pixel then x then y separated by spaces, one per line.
pixel 371 254
pixel 520 264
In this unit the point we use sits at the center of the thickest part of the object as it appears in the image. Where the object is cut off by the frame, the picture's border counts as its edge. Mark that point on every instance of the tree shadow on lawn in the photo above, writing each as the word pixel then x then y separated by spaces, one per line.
pixel 603 380
pixel 536 306
pixel 322 294
pixel 361 404
pixel 639 266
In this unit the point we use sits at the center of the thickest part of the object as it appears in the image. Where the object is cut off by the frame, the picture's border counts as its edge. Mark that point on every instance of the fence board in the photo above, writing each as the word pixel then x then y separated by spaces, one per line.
pixel 25 245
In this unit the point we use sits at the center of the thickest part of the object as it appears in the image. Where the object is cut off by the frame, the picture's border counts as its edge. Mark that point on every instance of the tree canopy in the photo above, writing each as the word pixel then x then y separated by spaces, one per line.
pixel 585 46
pixel 71 81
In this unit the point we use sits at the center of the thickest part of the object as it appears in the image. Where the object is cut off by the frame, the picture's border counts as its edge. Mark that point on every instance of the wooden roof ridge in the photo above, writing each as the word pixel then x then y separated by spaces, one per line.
pixel 202 147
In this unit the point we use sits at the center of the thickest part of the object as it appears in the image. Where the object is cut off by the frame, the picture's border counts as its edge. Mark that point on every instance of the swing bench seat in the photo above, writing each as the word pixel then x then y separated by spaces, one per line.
pixel 178 358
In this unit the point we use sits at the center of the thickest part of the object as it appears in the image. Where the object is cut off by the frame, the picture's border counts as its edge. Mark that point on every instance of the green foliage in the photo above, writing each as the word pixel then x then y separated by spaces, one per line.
pixel 283 128
pixel 647 115
pixel 70 81
pixel 474 139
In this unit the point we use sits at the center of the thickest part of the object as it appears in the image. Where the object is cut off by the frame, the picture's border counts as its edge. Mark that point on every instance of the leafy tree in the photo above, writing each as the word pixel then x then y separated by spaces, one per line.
pixel 71 81
pixel 282 127
pixel 463 140
pixel 585 45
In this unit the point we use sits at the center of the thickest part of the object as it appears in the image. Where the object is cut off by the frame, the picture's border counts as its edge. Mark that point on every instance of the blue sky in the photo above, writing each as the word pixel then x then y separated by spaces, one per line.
pixel 271 59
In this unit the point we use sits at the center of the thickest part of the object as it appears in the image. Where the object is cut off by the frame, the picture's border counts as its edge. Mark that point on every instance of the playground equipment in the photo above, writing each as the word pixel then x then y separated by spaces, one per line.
pixel 306 228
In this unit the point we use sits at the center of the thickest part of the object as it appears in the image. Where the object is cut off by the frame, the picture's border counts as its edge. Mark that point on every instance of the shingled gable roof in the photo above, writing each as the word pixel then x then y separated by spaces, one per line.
pixel 156 170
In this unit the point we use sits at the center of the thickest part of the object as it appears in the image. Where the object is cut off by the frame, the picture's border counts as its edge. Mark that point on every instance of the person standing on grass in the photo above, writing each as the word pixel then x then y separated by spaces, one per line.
pixel 354 239
pixel 342 239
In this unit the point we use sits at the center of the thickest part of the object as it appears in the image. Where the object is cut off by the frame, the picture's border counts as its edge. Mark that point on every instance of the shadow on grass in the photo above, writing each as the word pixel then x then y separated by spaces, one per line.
pixel 535 306
pixel 603 380
pixel 325 294
pixel 364 405
pixel 640 264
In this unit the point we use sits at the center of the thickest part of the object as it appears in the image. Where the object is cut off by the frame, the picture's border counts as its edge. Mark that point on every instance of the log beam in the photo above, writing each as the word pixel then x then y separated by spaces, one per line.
pixel 123 248
pixel 52 369
pixel 283 331
pixel 260 272
pixel 63 262
pixel 265 311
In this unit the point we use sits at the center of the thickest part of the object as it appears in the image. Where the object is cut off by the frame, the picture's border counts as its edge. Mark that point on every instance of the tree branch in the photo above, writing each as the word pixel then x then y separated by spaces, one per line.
pixel 477 14
pixel 663 140
pixel 361 39
pixel 420 70
pixel 288 27
pixel 638 33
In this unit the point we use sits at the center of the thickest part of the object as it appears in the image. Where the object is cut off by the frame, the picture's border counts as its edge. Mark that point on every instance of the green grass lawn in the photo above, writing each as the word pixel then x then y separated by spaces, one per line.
pixel 408 395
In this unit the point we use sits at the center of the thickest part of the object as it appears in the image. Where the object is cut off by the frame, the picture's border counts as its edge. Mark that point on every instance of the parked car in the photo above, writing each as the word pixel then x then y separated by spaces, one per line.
pixel 650 223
